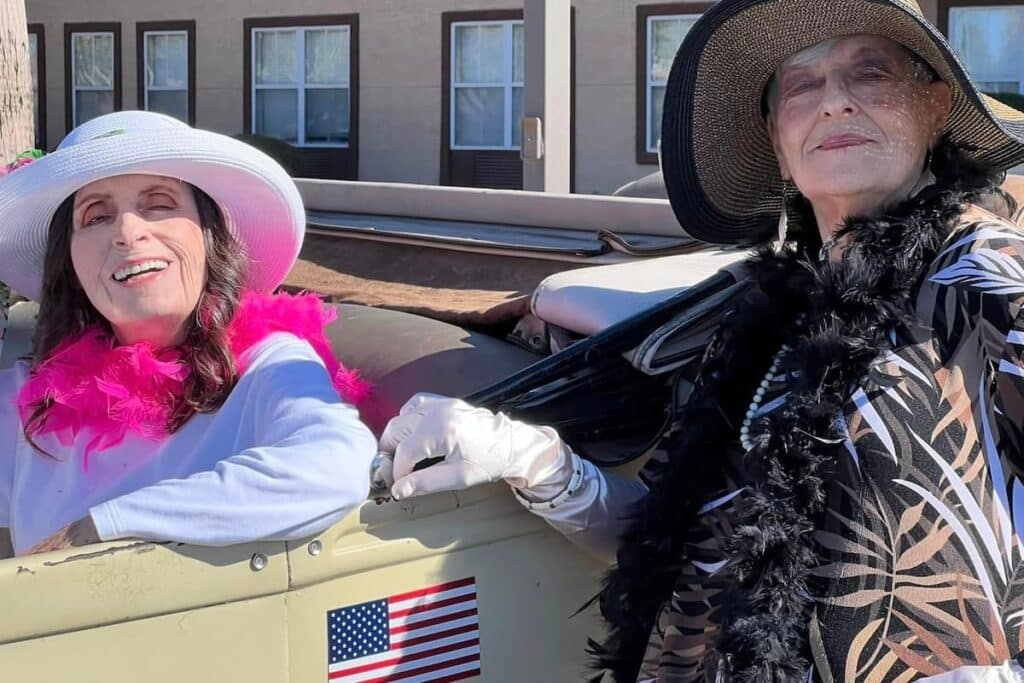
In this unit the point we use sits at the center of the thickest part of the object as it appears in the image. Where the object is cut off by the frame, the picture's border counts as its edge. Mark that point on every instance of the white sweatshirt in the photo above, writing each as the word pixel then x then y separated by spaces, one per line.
pixel 283 458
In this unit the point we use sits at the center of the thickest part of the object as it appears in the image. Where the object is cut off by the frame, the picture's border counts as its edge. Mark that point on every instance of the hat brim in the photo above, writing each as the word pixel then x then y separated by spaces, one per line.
pixel 720 171
pixel 261 205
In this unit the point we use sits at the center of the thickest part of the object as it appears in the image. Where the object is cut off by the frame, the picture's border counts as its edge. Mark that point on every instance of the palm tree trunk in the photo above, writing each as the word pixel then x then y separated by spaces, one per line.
pixel 16 107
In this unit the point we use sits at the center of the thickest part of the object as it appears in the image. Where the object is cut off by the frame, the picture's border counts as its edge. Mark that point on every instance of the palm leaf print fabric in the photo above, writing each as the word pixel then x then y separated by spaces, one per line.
pixel 922 562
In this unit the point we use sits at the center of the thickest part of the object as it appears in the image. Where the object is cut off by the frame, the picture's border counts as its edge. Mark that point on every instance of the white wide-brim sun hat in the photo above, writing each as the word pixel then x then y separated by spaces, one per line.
pixel 258 199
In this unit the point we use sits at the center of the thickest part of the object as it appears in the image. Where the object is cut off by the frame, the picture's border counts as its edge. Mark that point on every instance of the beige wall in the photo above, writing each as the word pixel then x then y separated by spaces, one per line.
pixel 400 74
pixel 930 9
pixel 606 96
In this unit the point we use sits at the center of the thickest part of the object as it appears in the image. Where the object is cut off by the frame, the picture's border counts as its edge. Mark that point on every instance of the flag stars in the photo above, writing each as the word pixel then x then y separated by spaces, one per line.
pixel 358 631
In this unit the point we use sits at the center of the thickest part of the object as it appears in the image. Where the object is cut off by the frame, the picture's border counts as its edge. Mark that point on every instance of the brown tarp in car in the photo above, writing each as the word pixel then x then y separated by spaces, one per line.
pixel 458 287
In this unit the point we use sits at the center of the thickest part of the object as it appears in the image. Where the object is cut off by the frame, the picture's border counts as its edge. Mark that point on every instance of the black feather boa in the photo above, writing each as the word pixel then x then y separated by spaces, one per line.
pixel 850 309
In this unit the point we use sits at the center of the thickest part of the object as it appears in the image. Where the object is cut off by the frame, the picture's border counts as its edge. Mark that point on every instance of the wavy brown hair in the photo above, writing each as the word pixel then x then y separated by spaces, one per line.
pixel 65 313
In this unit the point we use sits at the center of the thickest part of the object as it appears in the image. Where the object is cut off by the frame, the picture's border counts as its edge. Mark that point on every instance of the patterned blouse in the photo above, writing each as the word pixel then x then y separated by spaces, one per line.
pixel 922 557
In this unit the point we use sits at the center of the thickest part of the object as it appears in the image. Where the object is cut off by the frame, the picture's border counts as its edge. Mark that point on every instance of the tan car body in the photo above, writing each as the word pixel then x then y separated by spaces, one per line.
pixel 167 613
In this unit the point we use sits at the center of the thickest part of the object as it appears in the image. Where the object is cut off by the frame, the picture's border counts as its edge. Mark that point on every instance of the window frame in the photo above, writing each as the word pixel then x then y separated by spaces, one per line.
pixel 644 16
pixel 301 25
pixel 944 7
pixel 508 84
pixel 39 31
pixel 72 29
pixel 144 28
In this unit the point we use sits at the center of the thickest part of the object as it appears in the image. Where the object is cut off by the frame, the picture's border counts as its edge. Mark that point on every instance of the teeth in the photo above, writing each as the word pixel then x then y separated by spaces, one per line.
pixel 146 266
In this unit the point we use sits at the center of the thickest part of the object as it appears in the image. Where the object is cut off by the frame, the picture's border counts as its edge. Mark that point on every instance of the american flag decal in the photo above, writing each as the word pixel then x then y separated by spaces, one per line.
pixel 430 634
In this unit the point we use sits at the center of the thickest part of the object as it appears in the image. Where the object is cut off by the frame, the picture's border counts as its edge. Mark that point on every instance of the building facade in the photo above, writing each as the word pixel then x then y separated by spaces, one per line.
pixel 419 91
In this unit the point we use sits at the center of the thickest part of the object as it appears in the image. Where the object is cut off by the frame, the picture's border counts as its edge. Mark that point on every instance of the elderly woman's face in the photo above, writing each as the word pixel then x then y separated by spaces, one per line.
pixel 851 118
pixel 138 251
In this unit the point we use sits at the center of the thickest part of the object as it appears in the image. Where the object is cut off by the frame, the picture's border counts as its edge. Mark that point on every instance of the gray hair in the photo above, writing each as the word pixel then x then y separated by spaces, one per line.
pixel 921 70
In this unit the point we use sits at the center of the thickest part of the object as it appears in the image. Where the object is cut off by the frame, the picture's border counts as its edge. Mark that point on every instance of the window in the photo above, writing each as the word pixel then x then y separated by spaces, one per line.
pixel 37 57
pixel 988 39
pixel 93 70
pixel 664 36
pixel 166 58
pixel 660 32
pixel 487 84
pixel 301 77
pixel 301 84
pixel 92 63
pixel 482 75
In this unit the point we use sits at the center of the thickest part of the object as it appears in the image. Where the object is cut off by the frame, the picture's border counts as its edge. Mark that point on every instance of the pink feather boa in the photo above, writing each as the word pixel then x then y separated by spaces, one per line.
pixel 106 391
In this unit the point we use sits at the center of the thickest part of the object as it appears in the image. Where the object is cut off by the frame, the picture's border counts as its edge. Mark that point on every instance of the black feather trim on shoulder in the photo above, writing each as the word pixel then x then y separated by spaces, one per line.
pixel 850 308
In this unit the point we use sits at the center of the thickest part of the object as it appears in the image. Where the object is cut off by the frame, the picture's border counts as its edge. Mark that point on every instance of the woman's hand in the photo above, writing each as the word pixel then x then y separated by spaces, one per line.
pixel 444 444
pixel 82 532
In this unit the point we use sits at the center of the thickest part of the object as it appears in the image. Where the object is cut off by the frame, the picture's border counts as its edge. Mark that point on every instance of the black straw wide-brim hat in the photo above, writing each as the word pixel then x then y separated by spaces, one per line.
pixel 720 170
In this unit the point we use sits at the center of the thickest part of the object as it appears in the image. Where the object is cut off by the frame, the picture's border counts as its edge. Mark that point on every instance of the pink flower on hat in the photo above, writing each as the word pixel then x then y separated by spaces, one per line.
pixel 23 159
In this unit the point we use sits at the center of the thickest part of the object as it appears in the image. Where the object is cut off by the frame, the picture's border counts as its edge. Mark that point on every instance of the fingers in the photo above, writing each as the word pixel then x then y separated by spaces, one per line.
pixel 409 416
pixel 440 477
pixel 420 402
pixel 58 541
pixel 411 438
pixel 398 430
pixel 422 444
pixel 431 427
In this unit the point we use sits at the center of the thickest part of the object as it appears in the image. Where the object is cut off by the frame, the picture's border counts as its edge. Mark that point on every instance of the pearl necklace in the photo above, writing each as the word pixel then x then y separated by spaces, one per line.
pixel 762 391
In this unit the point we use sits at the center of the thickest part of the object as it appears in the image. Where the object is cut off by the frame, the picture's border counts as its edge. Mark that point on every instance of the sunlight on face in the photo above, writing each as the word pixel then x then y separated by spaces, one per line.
pixel 852 117
pixel 139 253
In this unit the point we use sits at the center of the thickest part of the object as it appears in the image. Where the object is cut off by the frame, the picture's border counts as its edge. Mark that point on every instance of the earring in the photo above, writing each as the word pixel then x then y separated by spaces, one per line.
pixel 783 225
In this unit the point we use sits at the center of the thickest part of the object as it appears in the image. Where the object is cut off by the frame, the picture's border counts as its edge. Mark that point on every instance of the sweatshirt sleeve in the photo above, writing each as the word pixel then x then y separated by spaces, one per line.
pixel 310 469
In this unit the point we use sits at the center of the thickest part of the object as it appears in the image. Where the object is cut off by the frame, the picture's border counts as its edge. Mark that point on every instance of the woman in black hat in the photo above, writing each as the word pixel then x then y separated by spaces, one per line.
pixel 842 497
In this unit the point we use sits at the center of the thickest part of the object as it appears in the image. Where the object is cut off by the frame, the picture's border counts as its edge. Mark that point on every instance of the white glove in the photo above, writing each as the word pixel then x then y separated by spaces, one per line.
pixel 474 446
pixel 1009 672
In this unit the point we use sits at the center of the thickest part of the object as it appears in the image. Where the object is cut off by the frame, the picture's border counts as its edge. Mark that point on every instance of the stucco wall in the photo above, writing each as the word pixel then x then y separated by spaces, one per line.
pixel 400 75
pixel 606 117
pixel 930 9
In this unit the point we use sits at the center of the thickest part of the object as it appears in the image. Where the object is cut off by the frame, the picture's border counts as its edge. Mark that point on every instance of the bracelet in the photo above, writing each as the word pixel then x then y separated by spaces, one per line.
pixel 570 490
pixel 378 482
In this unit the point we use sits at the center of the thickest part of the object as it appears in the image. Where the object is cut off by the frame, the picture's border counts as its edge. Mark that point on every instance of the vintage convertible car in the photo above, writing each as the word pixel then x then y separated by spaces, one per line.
pixel 431 284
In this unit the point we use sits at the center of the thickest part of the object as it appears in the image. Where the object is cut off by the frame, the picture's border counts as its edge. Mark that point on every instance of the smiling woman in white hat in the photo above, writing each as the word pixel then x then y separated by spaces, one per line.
pixel 170 396
pixel 841 497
